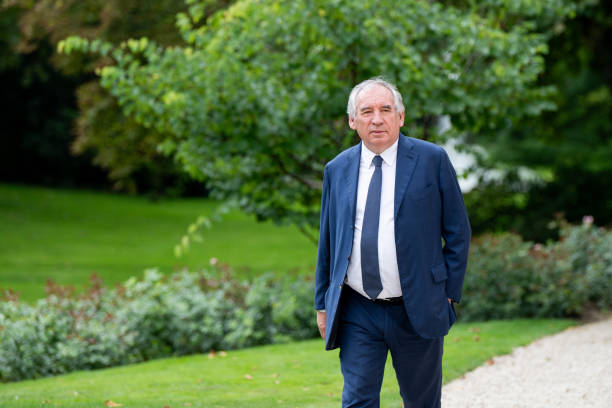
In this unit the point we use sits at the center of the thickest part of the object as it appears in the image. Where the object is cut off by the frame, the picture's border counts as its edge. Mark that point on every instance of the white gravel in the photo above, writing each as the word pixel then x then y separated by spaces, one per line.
pixel 569 369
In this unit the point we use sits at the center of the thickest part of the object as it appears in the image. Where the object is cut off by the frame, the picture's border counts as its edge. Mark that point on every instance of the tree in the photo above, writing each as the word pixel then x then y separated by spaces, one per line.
pixel 66 113
pixel 569 148
pixel 254 100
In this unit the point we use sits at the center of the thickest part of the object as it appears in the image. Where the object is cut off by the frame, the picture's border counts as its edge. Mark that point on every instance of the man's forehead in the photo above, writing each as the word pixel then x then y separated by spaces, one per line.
pixel 374 95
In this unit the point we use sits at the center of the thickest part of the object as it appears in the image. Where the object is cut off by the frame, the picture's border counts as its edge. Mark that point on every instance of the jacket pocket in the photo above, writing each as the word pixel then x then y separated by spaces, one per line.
pixel 439 273
pixel 452 317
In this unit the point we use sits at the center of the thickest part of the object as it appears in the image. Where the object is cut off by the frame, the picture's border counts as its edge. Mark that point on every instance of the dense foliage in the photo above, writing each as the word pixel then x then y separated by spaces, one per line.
pixel 192 313
pixel 141 320
pixel 254 101
pixel 568 148
pixel 550 45
pixel 58 119
pixel 508 277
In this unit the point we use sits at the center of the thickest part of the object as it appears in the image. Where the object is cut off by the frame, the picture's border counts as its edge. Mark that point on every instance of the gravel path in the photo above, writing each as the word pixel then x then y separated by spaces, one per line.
pixel 569 369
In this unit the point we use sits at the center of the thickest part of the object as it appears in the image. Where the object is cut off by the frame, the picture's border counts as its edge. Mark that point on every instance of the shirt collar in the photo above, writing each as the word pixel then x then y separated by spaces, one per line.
pixel 389 156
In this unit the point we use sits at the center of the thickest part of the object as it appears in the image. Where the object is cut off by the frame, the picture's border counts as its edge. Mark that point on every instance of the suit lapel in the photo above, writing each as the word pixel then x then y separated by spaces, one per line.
pixel 351 175
pixel 404 169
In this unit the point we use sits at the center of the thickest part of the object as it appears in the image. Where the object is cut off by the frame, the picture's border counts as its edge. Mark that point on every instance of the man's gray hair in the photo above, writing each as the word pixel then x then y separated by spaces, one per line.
pixel 351 108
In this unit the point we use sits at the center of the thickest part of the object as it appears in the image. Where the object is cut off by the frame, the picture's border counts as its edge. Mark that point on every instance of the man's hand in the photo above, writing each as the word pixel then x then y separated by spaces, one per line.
pixel 321 319
pixel 449 300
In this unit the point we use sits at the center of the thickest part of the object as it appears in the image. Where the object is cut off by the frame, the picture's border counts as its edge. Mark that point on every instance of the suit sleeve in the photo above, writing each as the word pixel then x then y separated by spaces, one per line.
pixel 323 252
pixel 456 229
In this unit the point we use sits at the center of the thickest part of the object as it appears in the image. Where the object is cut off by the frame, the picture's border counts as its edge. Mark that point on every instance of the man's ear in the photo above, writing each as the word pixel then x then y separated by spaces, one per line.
pixel 401 117
pixel 352 123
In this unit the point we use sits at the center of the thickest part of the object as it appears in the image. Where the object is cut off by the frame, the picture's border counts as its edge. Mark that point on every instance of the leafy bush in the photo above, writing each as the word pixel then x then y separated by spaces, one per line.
pixel 589 253
pixel 192 313
pixel 150 318
pixel 509 278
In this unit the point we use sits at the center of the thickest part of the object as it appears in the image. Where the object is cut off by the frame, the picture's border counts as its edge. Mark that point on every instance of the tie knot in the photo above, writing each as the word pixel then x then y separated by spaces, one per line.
pixel 377 160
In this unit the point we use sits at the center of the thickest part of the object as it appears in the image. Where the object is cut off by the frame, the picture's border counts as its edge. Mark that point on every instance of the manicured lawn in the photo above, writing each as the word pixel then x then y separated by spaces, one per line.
pixel 67 235
pixel 292 375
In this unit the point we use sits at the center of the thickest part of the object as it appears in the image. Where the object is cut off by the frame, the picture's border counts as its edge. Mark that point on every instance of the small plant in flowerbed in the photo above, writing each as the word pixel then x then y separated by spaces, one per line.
pixel 510 278
pixel 144 319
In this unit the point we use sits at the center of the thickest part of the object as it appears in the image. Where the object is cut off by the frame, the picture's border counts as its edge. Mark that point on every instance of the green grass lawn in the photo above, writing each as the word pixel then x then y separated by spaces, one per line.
pixel 67 235
pixel 292 375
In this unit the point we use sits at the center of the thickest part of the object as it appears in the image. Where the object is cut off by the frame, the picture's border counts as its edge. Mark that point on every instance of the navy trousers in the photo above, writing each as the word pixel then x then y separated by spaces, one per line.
pixel 367 331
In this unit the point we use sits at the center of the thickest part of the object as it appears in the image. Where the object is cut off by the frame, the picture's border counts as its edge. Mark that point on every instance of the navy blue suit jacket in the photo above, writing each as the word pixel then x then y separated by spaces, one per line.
pixel 432 235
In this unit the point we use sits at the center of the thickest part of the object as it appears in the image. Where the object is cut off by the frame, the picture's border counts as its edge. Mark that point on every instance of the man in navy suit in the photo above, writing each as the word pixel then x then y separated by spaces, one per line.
pixel 393 249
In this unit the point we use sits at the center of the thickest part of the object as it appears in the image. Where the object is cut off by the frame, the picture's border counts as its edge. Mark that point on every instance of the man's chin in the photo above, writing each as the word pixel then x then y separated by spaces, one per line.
pixel 379 145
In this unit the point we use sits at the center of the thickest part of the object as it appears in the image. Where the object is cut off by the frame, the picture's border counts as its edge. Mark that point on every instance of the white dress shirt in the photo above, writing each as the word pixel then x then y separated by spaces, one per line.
pixel 387 256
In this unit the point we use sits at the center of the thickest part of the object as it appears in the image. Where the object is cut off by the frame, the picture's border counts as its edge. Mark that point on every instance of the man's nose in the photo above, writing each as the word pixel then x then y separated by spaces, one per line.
pixel 377 118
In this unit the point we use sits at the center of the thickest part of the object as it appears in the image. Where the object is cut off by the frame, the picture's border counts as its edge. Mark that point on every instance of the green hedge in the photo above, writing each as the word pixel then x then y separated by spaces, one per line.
pixel 509 278
pixel 189 313
pixel 155 317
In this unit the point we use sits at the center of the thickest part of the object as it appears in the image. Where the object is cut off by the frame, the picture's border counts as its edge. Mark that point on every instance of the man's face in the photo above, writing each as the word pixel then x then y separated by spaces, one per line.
pixel 376 120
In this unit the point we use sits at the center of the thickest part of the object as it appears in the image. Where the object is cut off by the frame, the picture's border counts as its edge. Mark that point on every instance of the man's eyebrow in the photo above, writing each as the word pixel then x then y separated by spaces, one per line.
pixel 367 107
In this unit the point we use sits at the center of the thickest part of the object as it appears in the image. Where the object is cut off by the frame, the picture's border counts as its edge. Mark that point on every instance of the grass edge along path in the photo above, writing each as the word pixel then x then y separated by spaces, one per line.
pixel 298 374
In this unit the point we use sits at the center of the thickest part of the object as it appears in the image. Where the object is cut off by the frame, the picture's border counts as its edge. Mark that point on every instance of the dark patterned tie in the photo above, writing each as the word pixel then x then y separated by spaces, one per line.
pixel 370 273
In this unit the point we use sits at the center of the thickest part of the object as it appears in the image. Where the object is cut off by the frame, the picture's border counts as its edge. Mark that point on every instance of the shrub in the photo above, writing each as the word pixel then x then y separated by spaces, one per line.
pixel 509 278
pixel 150 318
pixel 190 313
